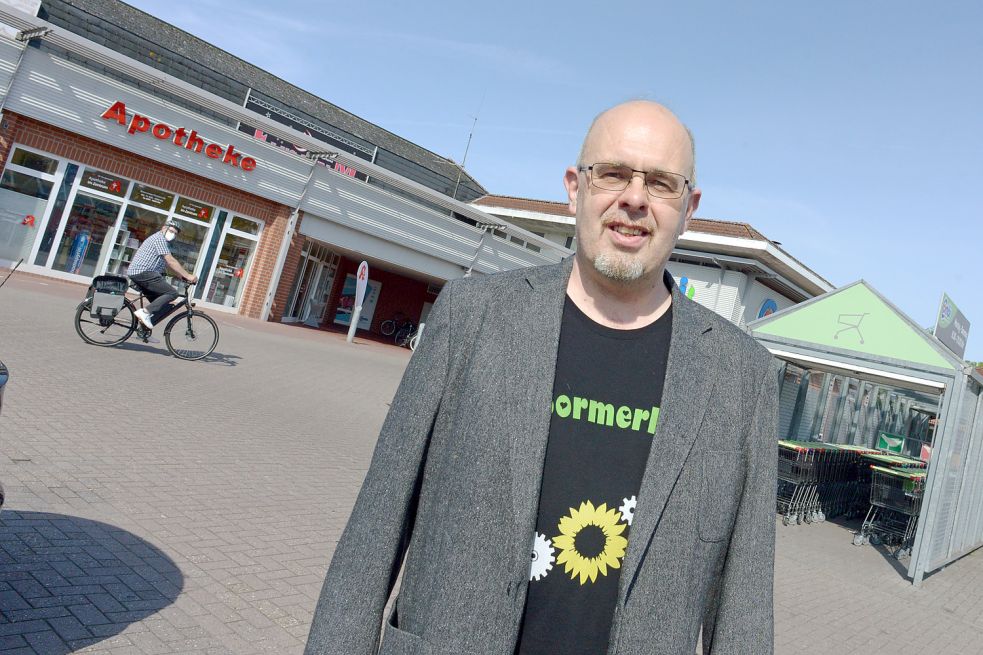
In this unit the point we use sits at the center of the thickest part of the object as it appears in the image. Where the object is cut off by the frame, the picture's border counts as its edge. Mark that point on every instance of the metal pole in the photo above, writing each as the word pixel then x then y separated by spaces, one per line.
pixel 11 272
pixel 460 169
pixel 356 316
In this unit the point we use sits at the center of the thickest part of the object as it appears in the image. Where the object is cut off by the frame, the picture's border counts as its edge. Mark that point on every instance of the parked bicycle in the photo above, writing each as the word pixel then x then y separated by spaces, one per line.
pixel 400 328
pixel 107 318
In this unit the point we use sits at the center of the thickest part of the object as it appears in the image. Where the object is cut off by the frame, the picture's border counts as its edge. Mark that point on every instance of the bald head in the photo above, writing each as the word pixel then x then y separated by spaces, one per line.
pixel 637 118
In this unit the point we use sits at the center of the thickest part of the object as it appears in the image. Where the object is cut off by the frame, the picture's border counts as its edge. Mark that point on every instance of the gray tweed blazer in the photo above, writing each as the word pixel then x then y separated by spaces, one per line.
pixel 453 489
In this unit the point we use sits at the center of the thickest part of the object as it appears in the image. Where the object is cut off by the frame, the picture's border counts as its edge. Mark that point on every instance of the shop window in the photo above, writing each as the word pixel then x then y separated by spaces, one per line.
pixel 138 224
pixel 187 246
pixel 246 225
pixel 25 184
pixel 231 270
pixel 34 161
pixel 88 228
pixel 22 203
pixel 61 201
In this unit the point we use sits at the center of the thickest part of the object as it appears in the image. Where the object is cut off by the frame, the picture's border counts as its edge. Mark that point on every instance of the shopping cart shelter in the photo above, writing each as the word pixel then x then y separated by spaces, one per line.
pixel 864 386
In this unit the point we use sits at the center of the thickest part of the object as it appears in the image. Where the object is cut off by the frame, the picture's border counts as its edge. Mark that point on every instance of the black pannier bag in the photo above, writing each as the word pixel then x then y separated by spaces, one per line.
pixel 108 294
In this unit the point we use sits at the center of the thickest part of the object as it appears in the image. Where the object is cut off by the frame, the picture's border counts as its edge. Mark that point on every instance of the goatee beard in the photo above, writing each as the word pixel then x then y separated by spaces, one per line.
pixel 619 268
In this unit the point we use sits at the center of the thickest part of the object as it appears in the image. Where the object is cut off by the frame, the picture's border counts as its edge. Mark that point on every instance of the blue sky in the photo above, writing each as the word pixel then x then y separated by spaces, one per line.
pixel 849 131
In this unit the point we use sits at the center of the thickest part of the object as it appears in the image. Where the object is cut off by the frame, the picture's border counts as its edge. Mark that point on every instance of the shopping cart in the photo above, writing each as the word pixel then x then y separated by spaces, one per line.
pixel 895 502
pixel 803 470
pixel 817 481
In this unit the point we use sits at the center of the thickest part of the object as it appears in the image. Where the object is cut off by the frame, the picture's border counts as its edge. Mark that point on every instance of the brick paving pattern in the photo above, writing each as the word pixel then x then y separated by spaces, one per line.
pixel 161 506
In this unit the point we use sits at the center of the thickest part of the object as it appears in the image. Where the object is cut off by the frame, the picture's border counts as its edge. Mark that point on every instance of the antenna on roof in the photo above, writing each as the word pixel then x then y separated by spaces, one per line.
pixel 460 169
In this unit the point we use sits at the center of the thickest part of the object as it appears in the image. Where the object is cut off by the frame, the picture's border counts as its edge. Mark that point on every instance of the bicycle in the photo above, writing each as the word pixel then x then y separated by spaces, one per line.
pixel 404 335
pixel 190 335
pixel 389 326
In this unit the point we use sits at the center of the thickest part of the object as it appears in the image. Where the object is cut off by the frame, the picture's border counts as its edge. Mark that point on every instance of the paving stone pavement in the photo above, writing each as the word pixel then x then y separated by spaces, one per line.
pixel 161 506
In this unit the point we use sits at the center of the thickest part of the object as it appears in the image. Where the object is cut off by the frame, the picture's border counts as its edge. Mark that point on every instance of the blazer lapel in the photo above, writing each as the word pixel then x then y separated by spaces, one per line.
pixel 688 384
pixel 536 314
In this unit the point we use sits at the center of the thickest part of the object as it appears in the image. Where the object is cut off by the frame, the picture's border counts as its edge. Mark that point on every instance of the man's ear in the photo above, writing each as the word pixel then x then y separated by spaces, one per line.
pixel 571 180
pixel 692 204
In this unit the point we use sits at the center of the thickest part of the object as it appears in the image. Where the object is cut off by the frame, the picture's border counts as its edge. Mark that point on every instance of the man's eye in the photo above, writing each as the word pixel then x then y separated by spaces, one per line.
pixel 660 183
pixel 615 174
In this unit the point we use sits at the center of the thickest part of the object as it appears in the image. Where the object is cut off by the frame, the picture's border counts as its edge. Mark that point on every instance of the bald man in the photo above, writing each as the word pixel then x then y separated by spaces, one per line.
pixel 579 459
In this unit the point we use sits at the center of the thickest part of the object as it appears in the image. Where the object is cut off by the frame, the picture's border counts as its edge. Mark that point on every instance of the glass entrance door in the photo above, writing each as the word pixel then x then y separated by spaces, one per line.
pixel 308 269
pixel 316 301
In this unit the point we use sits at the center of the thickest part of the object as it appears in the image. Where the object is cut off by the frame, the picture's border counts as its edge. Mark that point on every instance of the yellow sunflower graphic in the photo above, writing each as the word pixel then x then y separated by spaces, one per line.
pixel 590 541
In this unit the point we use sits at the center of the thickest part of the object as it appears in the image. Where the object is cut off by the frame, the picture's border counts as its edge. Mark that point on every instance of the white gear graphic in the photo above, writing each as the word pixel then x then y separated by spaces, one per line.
pixel 542 557
pixel 628 509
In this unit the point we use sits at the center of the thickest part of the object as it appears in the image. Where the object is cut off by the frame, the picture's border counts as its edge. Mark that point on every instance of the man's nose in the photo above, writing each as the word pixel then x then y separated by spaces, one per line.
pixel 635 197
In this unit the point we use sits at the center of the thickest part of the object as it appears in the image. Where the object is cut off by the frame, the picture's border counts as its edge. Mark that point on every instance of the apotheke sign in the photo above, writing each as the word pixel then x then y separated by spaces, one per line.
pixel 180 137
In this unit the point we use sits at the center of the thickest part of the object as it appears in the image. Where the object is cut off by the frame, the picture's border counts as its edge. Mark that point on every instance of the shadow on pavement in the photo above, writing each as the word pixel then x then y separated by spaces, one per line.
pixel 161 349
pixel 222 359
pixel 68 582
pixel 853 526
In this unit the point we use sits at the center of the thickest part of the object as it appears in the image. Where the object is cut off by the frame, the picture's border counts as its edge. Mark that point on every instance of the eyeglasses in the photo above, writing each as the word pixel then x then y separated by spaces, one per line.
pixel 617 177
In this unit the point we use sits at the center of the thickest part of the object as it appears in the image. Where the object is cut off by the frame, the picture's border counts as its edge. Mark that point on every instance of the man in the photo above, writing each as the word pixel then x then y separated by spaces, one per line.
pixel 147 272
pixel 579 459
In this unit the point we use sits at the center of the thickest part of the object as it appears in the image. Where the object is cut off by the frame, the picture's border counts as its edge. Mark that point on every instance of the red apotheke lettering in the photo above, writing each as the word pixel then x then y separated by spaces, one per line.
pixel 181 137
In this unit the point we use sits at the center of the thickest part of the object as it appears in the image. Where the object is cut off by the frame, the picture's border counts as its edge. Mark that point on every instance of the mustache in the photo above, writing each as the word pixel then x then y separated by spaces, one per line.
pixel 608 222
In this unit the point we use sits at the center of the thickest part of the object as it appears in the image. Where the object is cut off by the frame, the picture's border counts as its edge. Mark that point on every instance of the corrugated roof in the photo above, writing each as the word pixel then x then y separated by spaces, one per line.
pixel 167 36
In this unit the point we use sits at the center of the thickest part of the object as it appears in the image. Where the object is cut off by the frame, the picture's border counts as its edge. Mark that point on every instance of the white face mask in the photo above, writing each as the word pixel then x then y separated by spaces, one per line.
pixel 170 236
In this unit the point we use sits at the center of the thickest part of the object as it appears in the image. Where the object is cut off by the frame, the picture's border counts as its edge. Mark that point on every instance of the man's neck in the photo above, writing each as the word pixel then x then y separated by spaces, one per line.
pixel 618 305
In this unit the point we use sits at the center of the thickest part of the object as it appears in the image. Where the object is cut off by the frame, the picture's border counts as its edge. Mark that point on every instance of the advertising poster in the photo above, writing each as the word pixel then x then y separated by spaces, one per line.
pixel 104 182
pixel 150 196
pixel 952 327
pixel 193 209
pixel 346 304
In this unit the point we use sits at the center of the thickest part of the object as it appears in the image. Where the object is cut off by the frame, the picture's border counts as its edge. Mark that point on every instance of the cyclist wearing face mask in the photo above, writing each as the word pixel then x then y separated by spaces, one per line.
pixel 147 272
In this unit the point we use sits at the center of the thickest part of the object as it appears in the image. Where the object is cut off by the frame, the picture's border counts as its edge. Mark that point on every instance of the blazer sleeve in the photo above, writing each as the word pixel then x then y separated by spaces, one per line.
pixel 367 559
pixel 741 620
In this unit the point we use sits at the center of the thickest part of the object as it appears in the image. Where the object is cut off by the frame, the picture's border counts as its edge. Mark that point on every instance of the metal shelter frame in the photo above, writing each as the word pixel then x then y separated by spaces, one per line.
pixel 950 525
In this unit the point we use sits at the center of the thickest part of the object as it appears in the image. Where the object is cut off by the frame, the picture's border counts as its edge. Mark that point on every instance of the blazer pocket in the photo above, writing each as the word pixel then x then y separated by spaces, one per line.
pixel 723 485
pixel 400 642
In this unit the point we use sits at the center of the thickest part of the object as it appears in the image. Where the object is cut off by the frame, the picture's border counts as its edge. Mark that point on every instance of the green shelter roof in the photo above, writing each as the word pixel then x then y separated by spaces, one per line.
pixel 855 318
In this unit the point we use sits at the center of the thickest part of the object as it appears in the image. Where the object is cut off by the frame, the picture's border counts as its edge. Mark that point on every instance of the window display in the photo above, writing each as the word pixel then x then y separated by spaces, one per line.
pixel 87 230
pixel 98 221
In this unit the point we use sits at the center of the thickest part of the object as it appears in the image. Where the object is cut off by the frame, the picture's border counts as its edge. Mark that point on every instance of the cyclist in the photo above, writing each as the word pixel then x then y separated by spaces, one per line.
pixel 146 271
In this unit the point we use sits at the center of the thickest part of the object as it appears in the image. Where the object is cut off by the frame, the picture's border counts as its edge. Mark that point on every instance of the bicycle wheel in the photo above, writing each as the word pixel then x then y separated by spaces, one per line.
pixel 388 327
pixel 402 337
pixel 105 332
pixel 191 335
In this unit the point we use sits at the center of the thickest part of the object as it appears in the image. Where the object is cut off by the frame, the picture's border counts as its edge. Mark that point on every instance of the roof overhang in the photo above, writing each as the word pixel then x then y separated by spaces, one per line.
pixel 775 260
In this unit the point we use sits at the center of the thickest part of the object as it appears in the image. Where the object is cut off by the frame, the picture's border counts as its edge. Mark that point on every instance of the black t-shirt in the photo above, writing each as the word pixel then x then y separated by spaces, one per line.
pixel 606 399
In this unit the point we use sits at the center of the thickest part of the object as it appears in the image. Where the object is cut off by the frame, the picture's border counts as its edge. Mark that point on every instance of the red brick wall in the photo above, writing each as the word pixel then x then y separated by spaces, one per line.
pixel 290 265
pixel 41 136
pixel 398 294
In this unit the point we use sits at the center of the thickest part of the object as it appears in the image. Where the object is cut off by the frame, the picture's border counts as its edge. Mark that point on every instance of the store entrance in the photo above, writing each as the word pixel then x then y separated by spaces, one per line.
pixel 315 278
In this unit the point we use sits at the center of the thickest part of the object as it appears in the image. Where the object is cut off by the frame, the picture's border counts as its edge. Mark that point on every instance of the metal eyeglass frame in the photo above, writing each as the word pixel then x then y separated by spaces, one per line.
pixel 589 170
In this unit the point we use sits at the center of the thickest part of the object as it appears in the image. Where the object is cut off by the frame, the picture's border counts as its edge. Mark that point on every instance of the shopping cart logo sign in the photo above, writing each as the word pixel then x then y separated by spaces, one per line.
pixel 890 443
pixel 852 322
